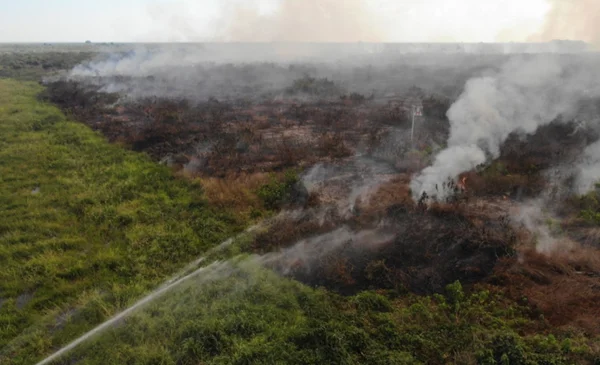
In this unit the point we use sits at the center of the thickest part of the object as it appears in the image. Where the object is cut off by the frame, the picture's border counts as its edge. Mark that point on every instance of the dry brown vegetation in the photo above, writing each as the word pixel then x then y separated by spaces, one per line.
pixel 236 193
pixel 564 287
pixel 471 240
pixel 231 148
pixel 225 137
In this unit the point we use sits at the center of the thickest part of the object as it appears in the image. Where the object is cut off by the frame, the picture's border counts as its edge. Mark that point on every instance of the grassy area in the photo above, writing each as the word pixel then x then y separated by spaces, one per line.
pixel 82 220
pixel 33 66
pixel 242 314
pixel 87 228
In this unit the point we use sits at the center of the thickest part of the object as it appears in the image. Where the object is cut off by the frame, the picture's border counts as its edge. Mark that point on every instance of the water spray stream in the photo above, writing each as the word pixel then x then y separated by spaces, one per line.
pixel 305 251
pixel 177 280
pixel 121 315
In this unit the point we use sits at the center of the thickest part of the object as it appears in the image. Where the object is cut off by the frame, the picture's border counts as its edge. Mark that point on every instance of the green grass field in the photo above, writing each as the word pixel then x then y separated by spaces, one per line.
pixel 87 228
pixel 83 221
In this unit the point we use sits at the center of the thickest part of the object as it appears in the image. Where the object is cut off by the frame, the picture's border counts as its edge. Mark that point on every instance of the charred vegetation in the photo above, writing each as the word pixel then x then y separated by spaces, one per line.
pixel 243 147
pixel 231 137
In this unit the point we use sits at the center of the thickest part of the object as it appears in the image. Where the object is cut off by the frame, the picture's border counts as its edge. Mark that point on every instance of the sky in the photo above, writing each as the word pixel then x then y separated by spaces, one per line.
pixel 206 20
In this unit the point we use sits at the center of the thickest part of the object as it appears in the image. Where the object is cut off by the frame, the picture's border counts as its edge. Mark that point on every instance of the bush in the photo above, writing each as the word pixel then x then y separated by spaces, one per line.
pixel 505 349
pixel 278 190
pixel 369 301
pixel 313 86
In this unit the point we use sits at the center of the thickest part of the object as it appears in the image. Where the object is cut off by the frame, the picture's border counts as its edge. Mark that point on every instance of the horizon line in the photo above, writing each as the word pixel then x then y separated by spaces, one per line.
pixel 89 42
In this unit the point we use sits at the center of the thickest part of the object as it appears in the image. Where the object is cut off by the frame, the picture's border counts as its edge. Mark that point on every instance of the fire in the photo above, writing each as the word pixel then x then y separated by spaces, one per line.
pixel 462 184
pixel 297 264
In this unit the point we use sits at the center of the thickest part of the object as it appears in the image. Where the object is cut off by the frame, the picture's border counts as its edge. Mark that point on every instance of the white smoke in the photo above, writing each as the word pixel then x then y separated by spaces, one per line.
pixel 537 218
pixel 588 170
pixel 572 19
pixel 352 182
pixel 310 250
pixel 531 216
pixel 525 94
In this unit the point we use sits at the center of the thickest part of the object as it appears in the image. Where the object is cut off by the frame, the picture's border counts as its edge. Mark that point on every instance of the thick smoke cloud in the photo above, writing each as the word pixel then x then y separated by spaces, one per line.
pixel 377 21
pixel 360 20
pixel 352 21
pixel 528 92
pixel 256 70
pixel 572 19
pixel 225 71
pixel 304 21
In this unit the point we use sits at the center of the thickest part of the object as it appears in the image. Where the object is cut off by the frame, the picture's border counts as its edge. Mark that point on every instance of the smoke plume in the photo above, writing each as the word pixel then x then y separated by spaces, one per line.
pixel 303 21
pixel 348 184
pixel 533 216
pixel 588 169
pixel 526 93
pixel 573 20
pixel 250 70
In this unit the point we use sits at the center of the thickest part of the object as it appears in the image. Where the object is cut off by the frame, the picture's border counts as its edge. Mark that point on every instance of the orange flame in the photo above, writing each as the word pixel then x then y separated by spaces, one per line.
pixel 297 264
pixel 463 184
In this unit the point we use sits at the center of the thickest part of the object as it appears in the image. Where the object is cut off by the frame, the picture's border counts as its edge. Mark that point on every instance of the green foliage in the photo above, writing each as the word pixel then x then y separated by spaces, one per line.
pixel 428 151
pixel 495 169
pixel 278 190
pixel 590 216
pixel 369 301
pixel 33 65
pixel 240 313
pixel 589 205
pixel 455 295
pixel 85 227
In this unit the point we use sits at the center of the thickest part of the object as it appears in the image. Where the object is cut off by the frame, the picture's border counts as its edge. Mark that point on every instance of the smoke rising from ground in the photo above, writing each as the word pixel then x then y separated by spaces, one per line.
pixel 535 217
pixel 588 169
pixel 232 71
pixel 349 184
pixel 528 92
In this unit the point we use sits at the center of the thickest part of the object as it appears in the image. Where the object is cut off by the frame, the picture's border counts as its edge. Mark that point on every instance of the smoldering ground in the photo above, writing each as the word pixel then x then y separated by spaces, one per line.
pixel 527 93
pixel 503 95
pixel 249 70
pixel 371 234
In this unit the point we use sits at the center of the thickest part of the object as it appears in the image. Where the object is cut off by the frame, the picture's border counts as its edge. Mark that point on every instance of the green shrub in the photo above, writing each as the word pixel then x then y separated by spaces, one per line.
pixel 369 301
pixel 80 216
pixel 277 190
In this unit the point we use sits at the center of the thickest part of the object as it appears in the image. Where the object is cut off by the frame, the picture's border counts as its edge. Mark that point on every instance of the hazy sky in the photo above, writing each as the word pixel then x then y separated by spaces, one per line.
pixel 188 20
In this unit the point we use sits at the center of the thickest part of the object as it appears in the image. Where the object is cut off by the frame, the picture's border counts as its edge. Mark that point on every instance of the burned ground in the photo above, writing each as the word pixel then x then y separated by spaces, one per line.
pixel 219 137
pixel 428 251
pixel 311 123
pixel 564 288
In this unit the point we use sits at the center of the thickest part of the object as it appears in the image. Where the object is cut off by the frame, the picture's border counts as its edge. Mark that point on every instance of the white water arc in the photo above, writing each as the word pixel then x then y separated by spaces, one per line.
pixel 149 298
pixel 306 250
pixel 125 313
